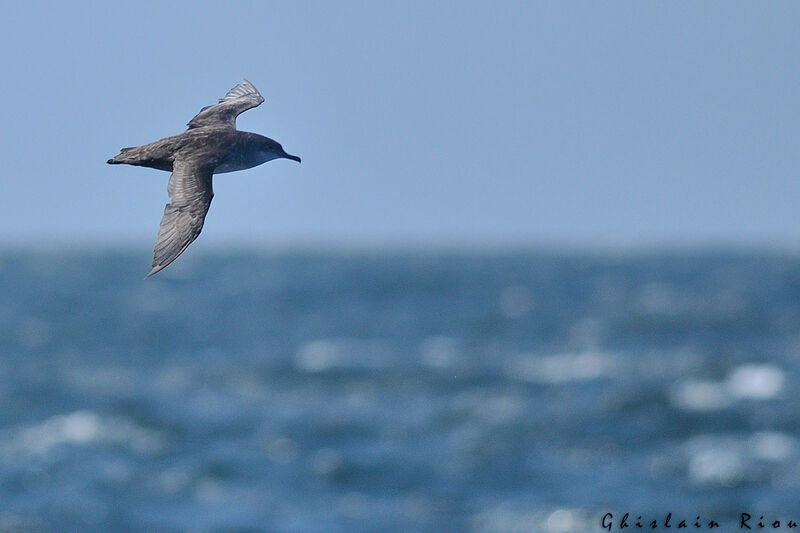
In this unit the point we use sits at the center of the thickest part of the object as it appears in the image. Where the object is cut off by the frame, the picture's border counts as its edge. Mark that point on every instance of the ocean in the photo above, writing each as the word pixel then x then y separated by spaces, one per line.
pixel 398 391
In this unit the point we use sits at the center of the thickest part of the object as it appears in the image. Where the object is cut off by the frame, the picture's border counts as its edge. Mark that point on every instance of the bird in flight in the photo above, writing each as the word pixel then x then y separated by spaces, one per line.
pixel 211 145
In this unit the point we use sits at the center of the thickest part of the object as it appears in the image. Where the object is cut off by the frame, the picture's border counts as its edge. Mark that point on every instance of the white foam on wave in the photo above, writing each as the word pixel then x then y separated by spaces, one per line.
pixel 745 382
pixel 755 381
pixel 508 518
pixel 716 465
pixel 281 449
pixel 439 351
pixel 730 459
pixel 562 521
pixel 326 462
pixel 772 446
pixel 562 368
pixel 325 354
pixel 79 428
pixel 696 395
pixel 317 356
pixel 170 480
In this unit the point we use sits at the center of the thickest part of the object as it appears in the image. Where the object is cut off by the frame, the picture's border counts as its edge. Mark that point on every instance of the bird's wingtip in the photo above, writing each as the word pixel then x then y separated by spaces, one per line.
pixel 156 269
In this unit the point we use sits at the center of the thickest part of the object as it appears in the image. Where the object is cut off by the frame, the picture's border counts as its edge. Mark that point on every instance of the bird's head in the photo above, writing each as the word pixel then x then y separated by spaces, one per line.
pixel 274 150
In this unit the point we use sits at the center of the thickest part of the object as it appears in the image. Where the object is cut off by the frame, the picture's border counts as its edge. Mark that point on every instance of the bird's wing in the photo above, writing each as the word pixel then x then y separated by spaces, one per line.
pixel 190 194
pixel 238 100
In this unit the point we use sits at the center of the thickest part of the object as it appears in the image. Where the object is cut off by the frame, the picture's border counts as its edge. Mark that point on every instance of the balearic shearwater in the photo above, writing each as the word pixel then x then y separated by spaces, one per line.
pixel 211 145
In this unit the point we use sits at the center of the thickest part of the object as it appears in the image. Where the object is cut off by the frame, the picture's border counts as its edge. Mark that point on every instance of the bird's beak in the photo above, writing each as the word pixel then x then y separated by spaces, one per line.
pixel 292 157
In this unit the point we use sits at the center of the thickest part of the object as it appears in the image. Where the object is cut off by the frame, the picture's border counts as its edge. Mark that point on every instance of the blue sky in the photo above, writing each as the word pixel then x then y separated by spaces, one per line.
pixel 578 123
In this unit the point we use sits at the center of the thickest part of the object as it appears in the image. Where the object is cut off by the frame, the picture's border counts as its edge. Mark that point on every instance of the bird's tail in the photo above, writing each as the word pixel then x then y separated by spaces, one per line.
pixel 121 158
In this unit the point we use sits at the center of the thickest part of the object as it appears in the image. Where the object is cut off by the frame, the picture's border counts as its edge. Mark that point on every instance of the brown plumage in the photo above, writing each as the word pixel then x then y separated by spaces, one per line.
pixel 211 145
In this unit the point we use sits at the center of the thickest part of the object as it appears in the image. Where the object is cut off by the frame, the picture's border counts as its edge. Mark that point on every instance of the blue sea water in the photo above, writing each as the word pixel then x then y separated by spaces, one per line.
pixel 396 391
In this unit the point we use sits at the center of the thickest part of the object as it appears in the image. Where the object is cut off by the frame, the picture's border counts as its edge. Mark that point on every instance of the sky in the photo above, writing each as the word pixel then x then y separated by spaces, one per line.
pixel 559 123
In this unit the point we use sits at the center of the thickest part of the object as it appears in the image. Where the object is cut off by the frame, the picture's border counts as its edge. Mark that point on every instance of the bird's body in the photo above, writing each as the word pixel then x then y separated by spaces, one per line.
pixel 211 145
pixel 224 149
